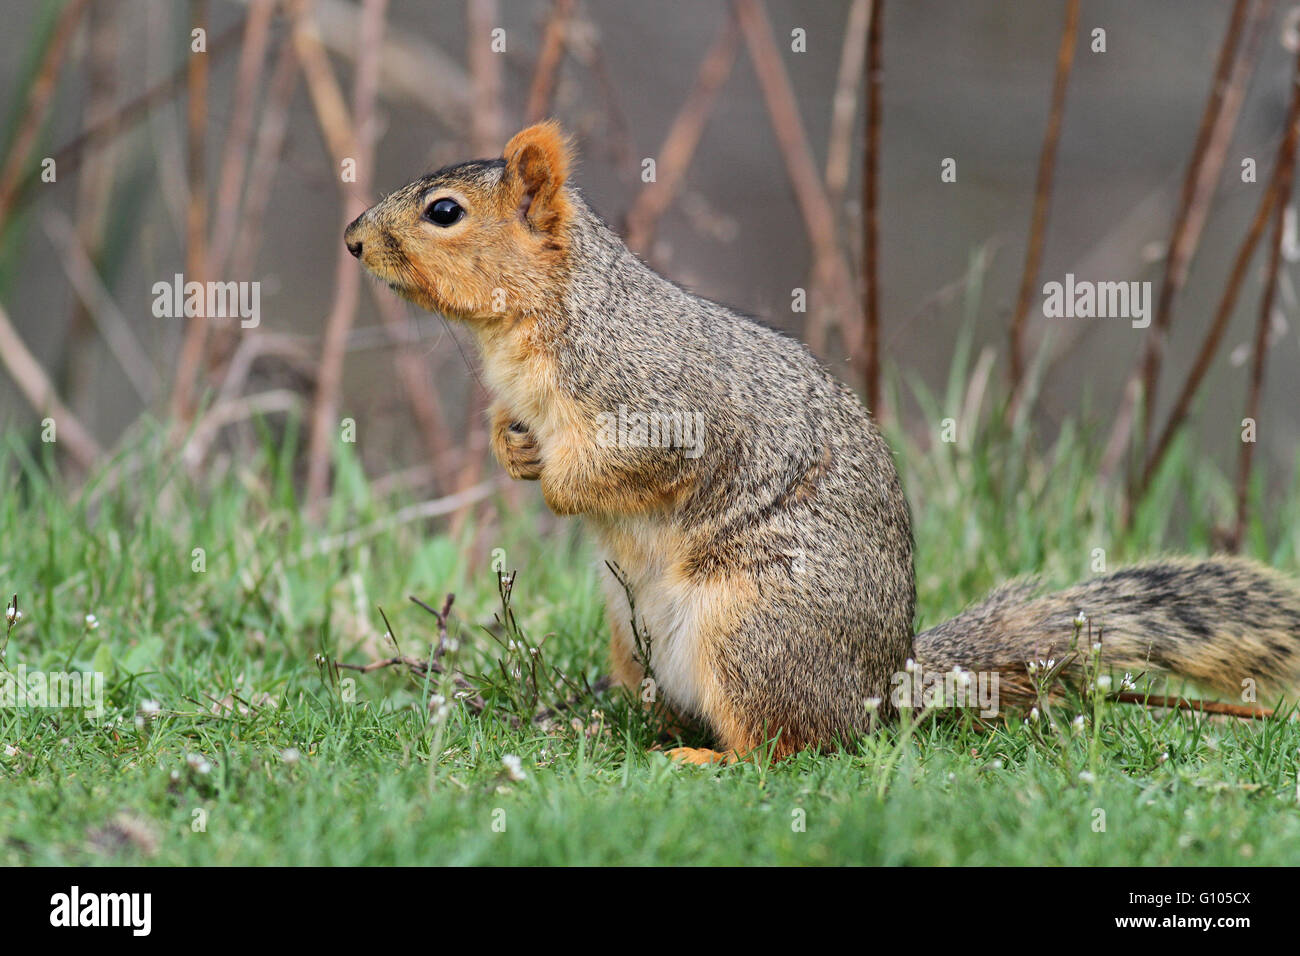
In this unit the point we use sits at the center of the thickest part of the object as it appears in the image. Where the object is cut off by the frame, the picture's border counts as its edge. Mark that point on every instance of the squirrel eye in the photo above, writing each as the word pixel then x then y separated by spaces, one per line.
pixel 444 212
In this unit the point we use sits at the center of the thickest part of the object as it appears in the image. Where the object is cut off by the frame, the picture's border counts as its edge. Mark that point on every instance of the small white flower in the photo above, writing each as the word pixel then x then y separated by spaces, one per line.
pixel 198 763
pixel 1087 776
pixel 150 708
pixel 1033 713
pixel 910 666
pixel 1096 646
pixel 290 755
pixel 452 645
pixel 514 767
pixel 1127 683
pixel 1032 666
pixel 92 622
pixel 1080 620
pixel 13 615
pixel 1103 682
pixel 873 704
pixel 1077 722
pixel 996 764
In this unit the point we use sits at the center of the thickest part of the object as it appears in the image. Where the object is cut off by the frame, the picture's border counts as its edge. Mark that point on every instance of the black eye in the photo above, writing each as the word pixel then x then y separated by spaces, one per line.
pixel 444 212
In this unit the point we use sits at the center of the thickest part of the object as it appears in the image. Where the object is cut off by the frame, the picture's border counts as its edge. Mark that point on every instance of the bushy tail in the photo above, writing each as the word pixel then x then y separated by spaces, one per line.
pixel 1218 623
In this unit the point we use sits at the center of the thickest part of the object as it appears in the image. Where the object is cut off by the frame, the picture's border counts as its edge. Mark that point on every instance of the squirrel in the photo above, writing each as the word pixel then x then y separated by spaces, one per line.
pixel 753 523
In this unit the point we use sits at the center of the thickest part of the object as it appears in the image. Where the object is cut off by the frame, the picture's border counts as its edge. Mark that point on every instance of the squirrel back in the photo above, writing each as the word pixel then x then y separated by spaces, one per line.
pixel 755 537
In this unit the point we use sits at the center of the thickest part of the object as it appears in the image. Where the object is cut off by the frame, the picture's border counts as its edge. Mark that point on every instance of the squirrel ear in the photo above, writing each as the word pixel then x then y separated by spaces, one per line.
pixel 537 164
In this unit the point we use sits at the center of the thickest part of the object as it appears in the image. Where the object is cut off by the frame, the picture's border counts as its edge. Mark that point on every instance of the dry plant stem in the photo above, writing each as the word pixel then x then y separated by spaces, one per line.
pixel 1200 706
pixel 409 67
pixel 95 191
pixel 266 154
pixel 340 134
pixel 871 212
pixel 476 445
pixel 196 223
pixel 1286 167
pixel 1042 201
pixel 1227 304
pixel 39 96
pixel 830 265
pixel 69 157
pixel 486 135
pixel 230 181
pixel 683 138
pixel 1212 139
pixel 549 59
pixel 844 106
pixel 420 391
pixel 421 511
pixel 99 306
pixel 487 123
pixel 39 392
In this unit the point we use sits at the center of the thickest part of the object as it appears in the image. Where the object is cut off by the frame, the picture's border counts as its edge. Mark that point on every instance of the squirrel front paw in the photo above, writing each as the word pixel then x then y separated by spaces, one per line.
pixel 516 448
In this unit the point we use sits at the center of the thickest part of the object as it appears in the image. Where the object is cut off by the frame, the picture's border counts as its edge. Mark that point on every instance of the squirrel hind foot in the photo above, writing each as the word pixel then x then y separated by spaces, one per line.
pixel 701 756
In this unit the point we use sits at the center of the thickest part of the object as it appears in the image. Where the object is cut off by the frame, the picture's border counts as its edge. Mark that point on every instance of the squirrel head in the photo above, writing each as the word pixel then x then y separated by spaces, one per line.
pixel 478 240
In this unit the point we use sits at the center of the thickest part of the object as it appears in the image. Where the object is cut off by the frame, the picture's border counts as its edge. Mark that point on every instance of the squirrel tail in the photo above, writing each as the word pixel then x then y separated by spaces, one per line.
pixel 1221 623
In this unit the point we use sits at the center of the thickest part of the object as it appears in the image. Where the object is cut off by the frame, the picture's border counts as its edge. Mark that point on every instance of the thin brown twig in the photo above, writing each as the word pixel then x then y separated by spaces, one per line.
pixel 485 67
pixel 40 394
pixel 1213 337
pixel 196 222
pixel 97 301
pixel 542 88
pixel 353 140
pixel 420 392
pixel 844 106
pixel 1270 203
pixel 95 191
pixel 1199 706
pixel 1042 200
pixel 1213 137
pixel 683 138
pixel 70 156
pixel 1286 166
pixel 39 95
pixel 230 179
pixel 871 211
pixel 266 153
pixel 819 219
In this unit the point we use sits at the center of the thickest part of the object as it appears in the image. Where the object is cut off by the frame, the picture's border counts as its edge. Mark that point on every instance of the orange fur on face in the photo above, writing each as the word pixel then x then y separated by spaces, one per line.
pixel 504 258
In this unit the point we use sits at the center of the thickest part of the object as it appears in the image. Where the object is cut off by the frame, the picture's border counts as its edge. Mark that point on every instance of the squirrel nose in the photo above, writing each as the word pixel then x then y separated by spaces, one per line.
pixel 350 238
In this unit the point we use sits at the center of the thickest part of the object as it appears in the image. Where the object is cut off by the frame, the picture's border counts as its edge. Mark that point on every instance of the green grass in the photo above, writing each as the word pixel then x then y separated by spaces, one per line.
pixel 296 767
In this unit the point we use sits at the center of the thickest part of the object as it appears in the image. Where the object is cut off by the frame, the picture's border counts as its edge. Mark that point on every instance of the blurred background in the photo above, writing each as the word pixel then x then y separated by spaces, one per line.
pixel 219 155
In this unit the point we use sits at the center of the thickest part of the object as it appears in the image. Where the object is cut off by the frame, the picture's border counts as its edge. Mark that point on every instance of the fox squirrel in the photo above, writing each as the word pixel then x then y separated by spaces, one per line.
pixel 745 501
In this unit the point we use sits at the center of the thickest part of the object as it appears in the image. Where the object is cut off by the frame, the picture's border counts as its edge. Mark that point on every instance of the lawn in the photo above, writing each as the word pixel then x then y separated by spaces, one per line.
pixel 229 737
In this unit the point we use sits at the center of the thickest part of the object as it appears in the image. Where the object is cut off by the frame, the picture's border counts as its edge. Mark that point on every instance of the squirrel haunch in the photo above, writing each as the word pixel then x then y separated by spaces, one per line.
pixel 746 499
